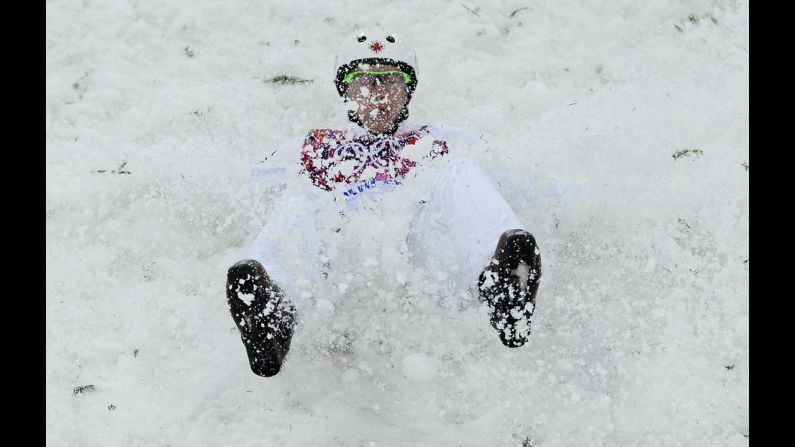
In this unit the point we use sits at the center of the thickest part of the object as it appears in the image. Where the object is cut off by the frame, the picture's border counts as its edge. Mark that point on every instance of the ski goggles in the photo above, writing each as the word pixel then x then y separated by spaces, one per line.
pixel 386 77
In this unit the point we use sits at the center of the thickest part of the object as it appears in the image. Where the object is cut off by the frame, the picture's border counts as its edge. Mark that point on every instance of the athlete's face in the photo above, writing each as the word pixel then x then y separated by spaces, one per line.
pixel 380 97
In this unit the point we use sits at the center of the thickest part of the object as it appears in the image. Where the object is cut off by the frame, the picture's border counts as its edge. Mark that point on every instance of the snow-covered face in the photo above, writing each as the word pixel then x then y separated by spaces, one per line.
pixel 380 99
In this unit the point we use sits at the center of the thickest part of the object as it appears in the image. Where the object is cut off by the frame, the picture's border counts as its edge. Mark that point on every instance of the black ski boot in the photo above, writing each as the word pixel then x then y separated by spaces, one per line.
pixel 509 285
pixel 264 316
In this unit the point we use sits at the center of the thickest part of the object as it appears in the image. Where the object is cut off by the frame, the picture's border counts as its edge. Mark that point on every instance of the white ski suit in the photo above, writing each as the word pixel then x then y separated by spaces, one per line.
pixel 412 191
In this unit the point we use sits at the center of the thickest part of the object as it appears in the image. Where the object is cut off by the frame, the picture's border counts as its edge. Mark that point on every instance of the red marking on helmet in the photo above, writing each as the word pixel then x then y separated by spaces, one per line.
pixel 376 47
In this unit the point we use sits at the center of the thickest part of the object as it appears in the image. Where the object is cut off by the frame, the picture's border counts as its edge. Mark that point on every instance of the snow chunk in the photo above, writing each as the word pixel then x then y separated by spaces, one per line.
pixel 651 264
pixel 420 366
pixel 246 297
pixel 350 376
pixel 401 279
pixel 522 271
pixel 324 307
pixel 489 280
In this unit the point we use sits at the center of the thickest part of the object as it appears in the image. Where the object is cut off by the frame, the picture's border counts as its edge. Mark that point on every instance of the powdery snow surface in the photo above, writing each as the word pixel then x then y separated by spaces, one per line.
pixel 640 336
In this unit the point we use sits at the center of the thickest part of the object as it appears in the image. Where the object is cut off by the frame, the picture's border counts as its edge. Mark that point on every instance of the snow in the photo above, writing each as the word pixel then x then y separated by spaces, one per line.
pixel 246 297
pixel 522 271
pixel 418 366
pixel 324 306
pixel 154 112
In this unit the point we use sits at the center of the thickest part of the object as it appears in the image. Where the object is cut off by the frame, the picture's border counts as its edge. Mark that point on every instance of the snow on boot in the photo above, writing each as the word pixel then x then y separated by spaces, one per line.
pixel 509 285
pixel 264 316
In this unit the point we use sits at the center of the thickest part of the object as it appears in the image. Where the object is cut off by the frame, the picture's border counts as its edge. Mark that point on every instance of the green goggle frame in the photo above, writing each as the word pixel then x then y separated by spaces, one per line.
pixel 349 77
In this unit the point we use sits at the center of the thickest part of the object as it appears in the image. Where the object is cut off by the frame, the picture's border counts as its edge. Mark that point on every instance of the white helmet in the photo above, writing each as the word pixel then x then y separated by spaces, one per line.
pixel 374 46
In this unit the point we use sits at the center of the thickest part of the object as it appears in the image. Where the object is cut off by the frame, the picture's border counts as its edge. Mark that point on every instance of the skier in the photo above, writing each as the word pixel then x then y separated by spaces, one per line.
pixel 462 224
